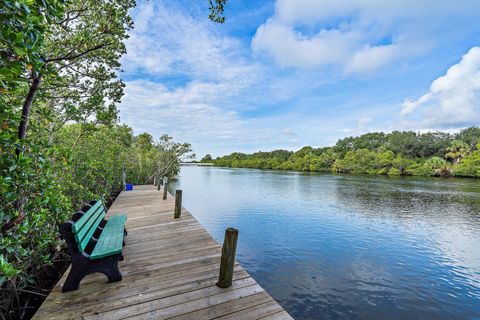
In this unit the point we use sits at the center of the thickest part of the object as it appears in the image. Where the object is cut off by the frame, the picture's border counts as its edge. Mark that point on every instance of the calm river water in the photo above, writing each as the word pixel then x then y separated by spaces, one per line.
pixel 349 247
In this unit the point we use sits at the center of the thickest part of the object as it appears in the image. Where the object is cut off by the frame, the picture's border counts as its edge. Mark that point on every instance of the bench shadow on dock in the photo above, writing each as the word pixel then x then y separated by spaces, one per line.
pixel 170 270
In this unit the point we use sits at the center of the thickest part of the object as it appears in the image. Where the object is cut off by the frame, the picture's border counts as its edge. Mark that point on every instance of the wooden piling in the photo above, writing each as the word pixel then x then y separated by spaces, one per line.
pixel 159 184
pixel 178 204
pixel 228 258
pixel 165 185
pixel 154 181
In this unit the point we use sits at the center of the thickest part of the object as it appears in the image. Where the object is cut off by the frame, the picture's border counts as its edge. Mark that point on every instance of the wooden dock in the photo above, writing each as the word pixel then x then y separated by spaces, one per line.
pixel 170 270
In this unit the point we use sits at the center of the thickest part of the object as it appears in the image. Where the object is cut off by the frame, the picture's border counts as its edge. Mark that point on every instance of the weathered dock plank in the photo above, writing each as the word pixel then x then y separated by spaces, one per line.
pixel 170 270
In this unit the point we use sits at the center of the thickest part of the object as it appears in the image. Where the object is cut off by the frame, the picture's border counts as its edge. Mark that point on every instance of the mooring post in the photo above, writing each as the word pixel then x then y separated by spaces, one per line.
pixel 165 184
pixel 155 181
pixel 228 258
pixel 178 204
pixel 158 184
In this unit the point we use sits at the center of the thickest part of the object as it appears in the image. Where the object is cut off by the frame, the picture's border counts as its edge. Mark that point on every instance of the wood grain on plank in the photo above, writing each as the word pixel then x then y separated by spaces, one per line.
pixel 170 270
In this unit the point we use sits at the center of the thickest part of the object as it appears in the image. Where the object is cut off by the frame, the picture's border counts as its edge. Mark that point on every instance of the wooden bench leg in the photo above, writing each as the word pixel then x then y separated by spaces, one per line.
pixel 79 268
pixel 108 266
pixel 73 279
pixel 78 271
pixel 114 275
pixel 82 267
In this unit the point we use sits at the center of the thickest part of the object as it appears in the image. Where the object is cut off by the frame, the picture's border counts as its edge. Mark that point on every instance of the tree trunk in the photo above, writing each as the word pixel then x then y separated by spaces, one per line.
pixel 22 128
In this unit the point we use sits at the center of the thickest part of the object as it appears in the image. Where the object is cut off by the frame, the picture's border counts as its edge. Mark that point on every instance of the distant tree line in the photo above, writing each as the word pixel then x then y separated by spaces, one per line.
pixel 398 153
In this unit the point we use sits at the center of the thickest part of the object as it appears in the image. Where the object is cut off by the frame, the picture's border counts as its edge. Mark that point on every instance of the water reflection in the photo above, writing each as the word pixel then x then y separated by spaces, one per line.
pixel 349 247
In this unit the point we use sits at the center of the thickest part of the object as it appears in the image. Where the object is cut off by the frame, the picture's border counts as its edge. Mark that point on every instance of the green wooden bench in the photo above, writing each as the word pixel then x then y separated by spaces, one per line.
pixel 94 244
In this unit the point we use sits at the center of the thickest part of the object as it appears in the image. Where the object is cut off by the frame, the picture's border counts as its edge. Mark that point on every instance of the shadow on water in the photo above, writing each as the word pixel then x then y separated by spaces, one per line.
pixel 349 247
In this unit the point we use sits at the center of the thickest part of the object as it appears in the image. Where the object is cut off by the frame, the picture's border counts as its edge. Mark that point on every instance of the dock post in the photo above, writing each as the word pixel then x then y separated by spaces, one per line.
pixel 158 184
pixel 165 184
pixel 178 204
pixel 155 181
pixel 228 258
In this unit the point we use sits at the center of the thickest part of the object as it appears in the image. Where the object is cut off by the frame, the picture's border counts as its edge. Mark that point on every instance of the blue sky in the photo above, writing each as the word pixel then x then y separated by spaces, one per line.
pixel 282 75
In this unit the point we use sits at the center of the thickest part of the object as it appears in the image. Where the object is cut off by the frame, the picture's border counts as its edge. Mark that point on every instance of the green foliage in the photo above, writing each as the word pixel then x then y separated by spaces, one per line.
pixel 83 52
pixel 470 136
pixel 457 151
pixel 415 145
pixel 59 64
pixel 324 160
pixel 7 271
pixel 31 207
pixel 396 153
pixel 263 160
pixel 167 163
pixel 370 141
pixel 217 7
pixel 44 187
pixel 469 166
pixel 22 37
pixel 207 158
pixel 91 160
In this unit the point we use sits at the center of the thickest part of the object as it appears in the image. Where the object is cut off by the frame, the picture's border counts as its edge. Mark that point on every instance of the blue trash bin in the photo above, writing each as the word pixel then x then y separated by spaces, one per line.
pixel 128 187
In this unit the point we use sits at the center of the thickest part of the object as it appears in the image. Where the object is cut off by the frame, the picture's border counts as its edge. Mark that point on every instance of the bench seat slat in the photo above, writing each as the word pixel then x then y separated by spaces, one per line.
pixel 107 246
pixel 111 240
pixel 117 220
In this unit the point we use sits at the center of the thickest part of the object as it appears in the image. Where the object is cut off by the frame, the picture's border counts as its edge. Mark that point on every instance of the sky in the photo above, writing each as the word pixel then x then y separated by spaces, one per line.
pixel 280 75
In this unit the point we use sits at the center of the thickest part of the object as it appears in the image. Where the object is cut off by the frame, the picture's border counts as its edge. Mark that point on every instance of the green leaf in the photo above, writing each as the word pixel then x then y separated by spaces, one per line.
pixel 18 38
pixel 20 51
pixel 3 116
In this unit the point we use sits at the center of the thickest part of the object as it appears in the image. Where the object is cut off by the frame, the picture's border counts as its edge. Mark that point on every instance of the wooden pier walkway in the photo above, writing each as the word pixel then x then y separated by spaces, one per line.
pixel 170 270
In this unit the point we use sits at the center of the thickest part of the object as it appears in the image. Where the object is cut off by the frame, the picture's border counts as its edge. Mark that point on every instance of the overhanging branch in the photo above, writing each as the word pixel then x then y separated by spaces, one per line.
pixel 76 56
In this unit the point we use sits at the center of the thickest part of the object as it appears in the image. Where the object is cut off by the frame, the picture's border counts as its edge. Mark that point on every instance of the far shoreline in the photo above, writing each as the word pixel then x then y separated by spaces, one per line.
pixel 451 177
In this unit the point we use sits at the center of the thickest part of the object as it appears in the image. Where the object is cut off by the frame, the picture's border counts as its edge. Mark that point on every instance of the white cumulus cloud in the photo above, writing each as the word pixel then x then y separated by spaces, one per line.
pixel 454 98
pixel 169 41
pixel 189 114
pixel 357 35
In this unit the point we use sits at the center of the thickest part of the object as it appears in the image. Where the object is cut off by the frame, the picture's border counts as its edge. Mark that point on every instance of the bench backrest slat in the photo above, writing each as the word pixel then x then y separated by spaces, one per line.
pixel 85 227
pixel 83 221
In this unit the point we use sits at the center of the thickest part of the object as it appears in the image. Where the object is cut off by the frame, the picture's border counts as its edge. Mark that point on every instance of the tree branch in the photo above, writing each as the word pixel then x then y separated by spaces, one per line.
pixel 68 18
pixel 83 73
pixel 76 56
